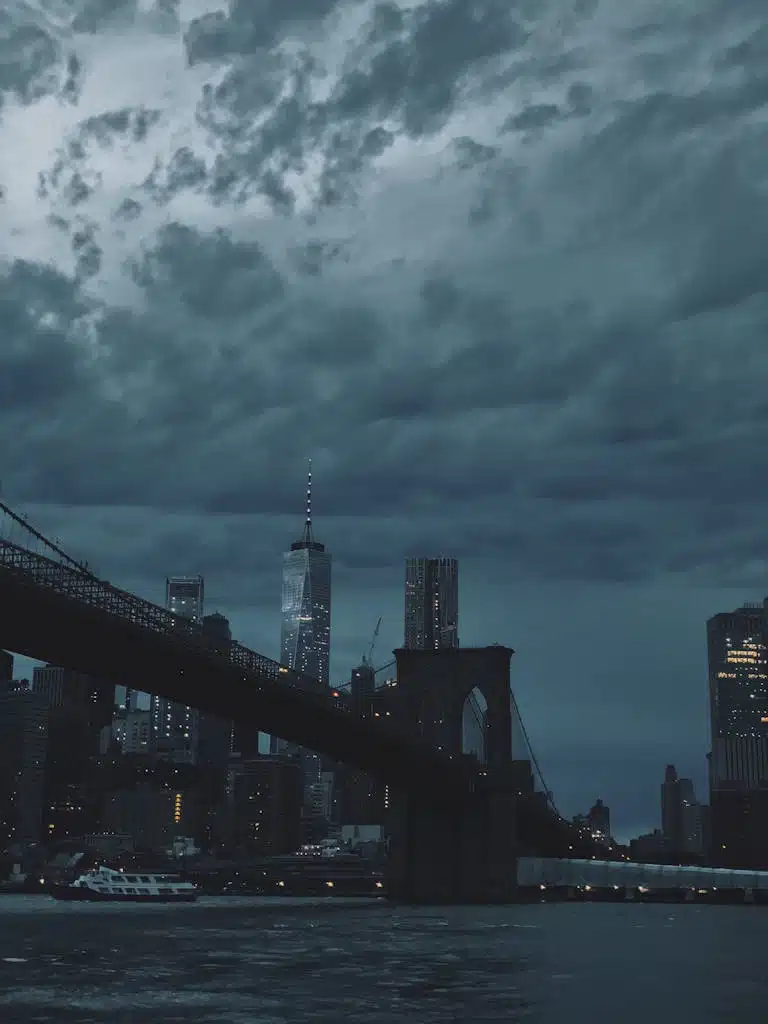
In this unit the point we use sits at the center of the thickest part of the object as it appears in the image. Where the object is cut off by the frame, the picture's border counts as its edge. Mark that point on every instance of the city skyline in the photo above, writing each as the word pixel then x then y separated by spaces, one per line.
pixel 572 800
pixel 507 312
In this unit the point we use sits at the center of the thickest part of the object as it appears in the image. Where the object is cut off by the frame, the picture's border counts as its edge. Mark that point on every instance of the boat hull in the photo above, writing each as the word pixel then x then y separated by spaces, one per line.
pixel 81 894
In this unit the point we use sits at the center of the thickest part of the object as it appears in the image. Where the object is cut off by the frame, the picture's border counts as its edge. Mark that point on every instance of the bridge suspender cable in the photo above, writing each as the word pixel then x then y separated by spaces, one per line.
pixel 48 543
pixel 534 759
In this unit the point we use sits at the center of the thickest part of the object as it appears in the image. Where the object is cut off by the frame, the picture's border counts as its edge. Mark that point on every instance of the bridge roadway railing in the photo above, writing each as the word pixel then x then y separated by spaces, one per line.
pixel 80 585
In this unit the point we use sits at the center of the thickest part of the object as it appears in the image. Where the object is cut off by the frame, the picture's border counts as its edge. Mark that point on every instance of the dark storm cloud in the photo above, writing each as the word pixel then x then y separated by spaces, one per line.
pixel 38 363
pixel 408 66
pixel 29 59
pixel 212 275
pixel 97 15
pixel 413 66
pixel 250 26
pixel 538 349
pixel 538 115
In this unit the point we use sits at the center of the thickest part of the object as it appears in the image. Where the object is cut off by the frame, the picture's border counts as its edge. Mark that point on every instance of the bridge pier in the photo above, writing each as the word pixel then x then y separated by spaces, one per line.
pixel 462 852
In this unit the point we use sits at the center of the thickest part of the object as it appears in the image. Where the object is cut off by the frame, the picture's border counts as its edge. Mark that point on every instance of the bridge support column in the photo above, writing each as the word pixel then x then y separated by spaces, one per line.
pixel 457 853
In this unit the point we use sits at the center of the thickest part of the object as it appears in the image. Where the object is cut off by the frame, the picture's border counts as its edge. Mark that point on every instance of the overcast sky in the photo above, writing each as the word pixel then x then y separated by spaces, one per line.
pixel 497 266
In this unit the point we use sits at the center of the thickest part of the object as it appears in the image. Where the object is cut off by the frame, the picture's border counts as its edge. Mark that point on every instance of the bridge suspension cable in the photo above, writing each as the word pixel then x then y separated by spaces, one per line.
pixel 534 759
pixel 24 523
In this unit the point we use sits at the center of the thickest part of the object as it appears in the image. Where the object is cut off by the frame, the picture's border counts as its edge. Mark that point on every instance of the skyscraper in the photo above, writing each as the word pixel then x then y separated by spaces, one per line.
pixel 431 603
pixel 305 641
pixel 305 636
pixel 23 745
pixel 738 700
pixel 677 797
pixel 184 596
pixel 174 725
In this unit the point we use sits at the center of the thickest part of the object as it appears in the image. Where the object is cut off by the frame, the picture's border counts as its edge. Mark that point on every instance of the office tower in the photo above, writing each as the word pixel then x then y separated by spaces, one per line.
pixel 599 820
pixel 23 745
pixel 6 666
pixel 677 800
pixel 175 725
pixel 738 697
pixel 431 603
pixel 265 806
pixel 738 673
pixel 184 596
pixel 79 708
pixel 305 642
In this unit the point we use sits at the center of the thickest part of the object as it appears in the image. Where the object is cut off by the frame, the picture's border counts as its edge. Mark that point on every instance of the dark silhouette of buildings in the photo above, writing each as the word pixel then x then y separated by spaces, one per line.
pixel 682 818
pixel 152 817
pixel 738 775
pixel 266 797
pixel 599 820
pixel 215 744
pixel 6 666
pixel 78 710
pixel 361 799
pixel 23 745
pixel 431 603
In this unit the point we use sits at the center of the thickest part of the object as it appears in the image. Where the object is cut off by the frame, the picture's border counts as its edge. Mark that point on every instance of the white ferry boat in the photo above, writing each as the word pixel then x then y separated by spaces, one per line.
pixel 103 884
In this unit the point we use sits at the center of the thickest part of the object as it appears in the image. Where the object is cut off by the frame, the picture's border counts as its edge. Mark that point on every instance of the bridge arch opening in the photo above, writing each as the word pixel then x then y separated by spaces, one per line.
pixel 474 725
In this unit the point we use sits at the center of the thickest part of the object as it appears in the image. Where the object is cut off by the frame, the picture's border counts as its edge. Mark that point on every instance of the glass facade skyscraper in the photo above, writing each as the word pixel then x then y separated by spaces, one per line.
pixel 431 603
pixel 305 639
pixel 737 647
pixel 305 635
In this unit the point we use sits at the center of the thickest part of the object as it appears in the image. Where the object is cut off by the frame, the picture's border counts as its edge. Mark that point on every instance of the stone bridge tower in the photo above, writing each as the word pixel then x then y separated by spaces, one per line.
pixel 463 849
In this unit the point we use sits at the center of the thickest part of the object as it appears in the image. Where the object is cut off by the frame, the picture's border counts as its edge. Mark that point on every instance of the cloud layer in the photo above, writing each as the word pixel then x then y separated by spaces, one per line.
pixel 497 267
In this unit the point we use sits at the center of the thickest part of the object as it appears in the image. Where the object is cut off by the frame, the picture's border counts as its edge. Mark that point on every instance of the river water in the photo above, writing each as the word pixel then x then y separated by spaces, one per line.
pixel 268 961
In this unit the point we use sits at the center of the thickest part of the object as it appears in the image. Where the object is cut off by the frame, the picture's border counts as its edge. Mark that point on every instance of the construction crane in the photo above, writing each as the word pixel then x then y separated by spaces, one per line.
pixel 368 658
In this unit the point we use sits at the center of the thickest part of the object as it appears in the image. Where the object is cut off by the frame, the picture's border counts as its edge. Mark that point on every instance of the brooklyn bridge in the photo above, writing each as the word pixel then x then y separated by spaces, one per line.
pixel 459 823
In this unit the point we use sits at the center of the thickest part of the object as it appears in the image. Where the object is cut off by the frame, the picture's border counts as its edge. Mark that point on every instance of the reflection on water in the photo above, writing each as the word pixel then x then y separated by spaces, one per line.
pixel 264 961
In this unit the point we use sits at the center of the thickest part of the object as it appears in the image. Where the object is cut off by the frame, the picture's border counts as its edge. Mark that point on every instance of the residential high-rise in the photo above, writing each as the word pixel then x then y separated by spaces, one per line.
pixel 431 603
pixel 738 698
pixel 599 820
pixel 175 725
pixel 184 596
pixel 305 641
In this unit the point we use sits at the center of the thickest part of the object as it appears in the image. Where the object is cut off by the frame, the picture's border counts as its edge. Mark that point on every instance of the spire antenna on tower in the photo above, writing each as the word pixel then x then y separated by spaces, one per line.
pixel 308 521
